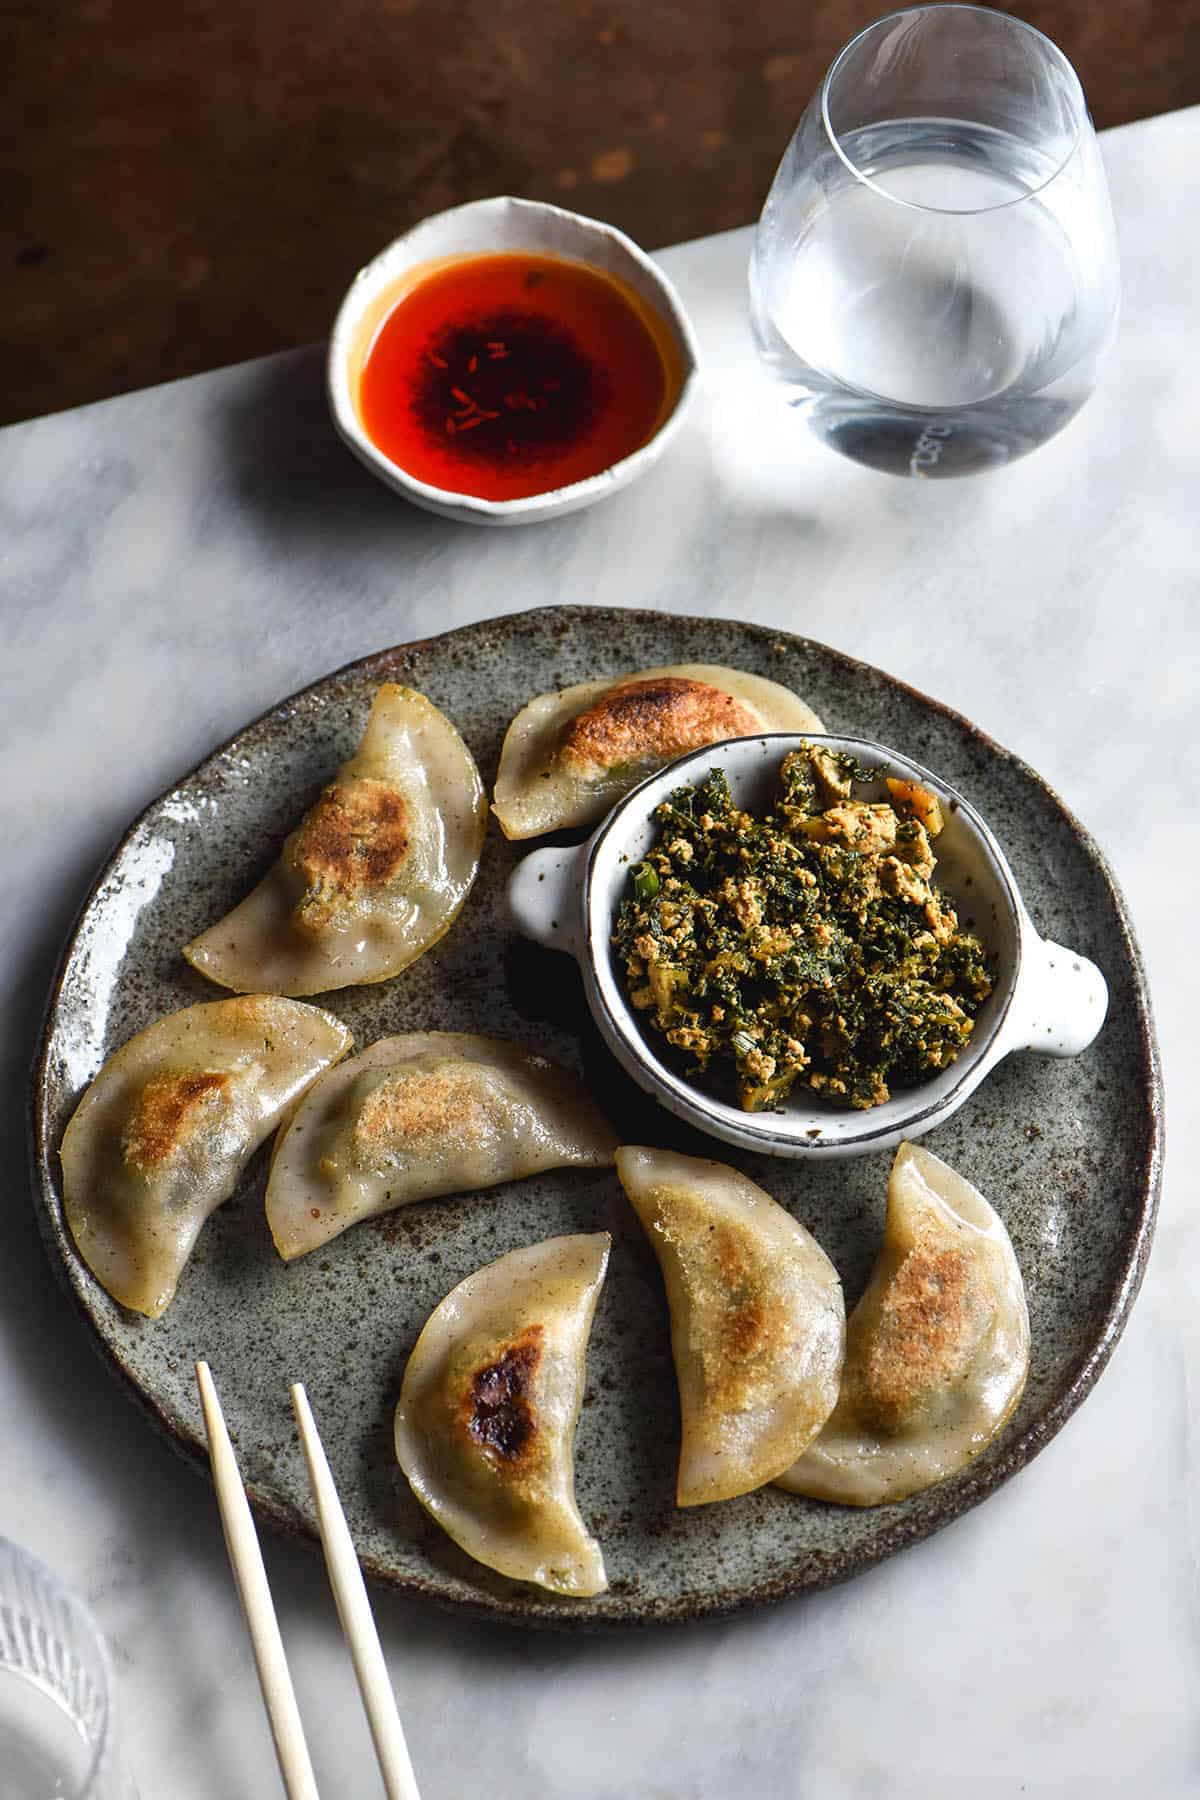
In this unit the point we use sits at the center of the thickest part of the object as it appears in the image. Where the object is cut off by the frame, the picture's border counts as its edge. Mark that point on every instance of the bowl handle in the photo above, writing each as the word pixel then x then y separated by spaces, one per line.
pixel 544 900
pixel 1065 999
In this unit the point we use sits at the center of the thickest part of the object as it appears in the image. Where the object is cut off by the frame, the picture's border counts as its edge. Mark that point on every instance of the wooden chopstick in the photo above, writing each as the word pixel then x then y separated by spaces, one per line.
pixel 354 1610
pixel 245 1557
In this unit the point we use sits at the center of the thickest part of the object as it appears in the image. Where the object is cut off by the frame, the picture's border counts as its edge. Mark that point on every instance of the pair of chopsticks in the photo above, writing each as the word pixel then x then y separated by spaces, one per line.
pixel 354 1609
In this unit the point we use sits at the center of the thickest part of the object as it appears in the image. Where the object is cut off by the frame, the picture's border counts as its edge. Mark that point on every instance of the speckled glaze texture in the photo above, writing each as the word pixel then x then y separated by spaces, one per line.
pixel 1067 1151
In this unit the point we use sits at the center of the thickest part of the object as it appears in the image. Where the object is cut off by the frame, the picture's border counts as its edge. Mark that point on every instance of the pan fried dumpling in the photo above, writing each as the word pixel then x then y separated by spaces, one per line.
pixel 373 874
pixel 428 1113
pixel 568 757
pixel 757 1320
pixel 937 1349
pixel 485 1425
pixel 163 1133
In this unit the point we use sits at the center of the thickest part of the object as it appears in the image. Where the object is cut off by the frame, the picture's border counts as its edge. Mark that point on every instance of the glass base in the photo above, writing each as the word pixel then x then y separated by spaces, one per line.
pixel 43 1754
pixel 935 446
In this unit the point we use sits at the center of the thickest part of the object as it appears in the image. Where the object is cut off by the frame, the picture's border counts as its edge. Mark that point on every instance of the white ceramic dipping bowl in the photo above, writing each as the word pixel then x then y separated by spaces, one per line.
pixel 1046 998
pixel 483 228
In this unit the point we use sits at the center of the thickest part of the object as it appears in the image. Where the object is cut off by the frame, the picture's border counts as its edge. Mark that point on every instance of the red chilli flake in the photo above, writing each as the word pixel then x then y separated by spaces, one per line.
pixel 555 402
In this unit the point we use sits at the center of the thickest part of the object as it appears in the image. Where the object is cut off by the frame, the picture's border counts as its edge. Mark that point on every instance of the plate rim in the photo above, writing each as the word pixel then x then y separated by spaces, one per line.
pixel 973 1485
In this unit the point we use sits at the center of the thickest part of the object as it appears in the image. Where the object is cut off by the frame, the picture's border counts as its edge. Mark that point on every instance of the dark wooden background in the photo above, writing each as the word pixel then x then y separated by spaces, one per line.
pixel 190 182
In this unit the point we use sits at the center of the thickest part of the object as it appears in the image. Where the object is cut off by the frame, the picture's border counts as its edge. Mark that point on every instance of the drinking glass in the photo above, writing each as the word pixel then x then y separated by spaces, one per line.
pixel 56 1722
pixel 934 277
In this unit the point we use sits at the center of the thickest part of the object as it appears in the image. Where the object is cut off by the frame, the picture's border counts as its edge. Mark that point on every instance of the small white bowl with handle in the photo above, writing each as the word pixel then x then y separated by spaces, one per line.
pixel 1046 998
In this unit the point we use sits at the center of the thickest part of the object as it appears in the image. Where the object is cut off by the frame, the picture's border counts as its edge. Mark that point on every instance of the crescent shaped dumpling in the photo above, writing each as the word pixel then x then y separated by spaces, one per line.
pixel 163 1133
pixel 568 757
pixel 937 1349
pixel 427 1113
pixel 757 1320
pixel 373 874
pixel 485 1425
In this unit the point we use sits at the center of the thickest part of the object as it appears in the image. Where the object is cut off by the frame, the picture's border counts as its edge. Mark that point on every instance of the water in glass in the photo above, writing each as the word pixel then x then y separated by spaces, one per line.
pixel 935 292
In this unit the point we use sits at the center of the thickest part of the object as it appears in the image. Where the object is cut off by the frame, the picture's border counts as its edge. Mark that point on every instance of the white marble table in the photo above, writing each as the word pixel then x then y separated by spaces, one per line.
pixel 171 563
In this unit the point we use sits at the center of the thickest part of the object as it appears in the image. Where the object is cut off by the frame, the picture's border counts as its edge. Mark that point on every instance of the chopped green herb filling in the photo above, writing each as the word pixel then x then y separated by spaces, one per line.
pixel 808 947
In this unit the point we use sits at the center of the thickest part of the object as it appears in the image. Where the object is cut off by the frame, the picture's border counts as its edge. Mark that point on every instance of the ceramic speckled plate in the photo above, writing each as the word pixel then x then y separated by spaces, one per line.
pixel 1068 1151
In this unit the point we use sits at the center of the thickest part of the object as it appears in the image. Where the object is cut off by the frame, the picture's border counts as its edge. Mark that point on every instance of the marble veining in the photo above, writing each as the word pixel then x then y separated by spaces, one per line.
pixel 172 563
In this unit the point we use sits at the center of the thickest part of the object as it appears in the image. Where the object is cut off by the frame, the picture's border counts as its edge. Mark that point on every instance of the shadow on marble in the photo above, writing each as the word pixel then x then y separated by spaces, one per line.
pixel 289 469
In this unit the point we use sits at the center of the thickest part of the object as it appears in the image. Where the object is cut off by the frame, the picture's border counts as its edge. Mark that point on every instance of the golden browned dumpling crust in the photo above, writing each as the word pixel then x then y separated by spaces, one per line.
pixel 352 844
pixel 167 1115
pixel 736 1326
pixel 447 1101
pixel 930 1321
pixel 657 719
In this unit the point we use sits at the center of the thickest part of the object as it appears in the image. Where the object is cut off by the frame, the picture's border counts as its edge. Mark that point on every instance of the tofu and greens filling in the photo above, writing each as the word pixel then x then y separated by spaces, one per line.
pixel 808 947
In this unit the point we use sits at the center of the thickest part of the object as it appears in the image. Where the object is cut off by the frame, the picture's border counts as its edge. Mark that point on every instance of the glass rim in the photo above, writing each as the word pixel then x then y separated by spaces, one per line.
pixel 1058 56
